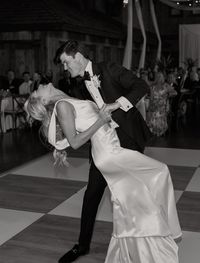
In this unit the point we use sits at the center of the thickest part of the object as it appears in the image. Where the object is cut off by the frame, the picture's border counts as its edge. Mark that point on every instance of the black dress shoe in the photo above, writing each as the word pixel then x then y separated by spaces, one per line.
pixel 73 254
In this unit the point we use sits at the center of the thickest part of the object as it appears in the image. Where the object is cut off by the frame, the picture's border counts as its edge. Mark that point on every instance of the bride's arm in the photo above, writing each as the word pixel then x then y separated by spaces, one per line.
pixel 66 118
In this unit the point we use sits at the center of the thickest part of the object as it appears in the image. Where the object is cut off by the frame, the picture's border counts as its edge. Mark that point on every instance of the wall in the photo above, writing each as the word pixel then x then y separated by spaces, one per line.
pixel 34 50
pixel 169 27
pixel 20 51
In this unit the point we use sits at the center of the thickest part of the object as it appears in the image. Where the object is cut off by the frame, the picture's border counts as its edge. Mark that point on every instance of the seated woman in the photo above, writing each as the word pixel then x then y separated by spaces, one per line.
pixel 25 87
pixel 158 109
pixel 145 221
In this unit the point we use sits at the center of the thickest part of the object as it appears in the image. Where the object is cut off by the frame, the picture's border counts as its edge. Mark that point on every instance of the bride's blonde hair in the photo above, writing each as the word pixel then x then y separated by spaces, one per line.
pixel 36 110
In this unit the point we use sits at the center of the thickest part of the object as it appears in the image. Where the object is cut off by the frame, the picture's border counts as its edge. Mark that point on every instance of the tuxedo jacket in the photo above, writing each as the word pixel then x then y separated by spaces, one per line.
pixel 14 84
pixel 117 81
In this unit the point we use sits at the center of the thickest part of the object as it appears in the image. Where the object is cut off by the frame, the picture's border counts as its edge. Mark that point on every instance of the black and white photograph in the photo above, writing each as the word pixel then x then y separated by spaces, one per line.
pixel 99 131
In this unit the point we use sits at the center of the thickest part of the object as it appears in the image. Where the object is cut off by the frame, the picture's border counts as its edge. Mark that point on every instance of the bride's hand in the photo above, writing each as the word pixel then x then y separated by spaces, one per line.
pixel 60 158
pixel 112 106
pixel 104 114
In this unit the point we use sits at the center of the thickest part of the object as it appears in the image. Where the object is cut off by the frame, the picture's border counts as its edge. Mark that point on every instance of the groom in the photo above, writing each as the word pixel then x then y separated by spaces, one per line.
pixel 120 90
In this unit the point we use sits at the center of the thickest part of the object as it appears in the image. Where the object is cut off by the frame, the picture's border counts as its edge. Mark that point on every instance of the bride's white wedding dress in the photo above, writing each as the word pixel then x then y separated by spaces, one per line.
pixel 145 221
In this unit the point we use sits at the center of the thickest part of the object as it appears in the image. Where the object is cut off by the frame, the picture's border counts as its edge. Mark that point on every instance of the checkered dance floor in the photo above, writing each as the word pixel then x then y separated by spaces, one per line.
pixel 40 208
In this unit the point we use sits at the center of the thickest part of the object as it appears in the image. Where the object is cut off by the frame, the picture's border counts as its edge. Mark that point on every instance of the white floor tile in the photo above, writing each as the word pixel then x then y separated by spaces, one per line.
pixel 178 157
pixel 13 221
pixel 43 167
pixel 194 184
pixel 79 167
pixel 72 207
pixel 189 248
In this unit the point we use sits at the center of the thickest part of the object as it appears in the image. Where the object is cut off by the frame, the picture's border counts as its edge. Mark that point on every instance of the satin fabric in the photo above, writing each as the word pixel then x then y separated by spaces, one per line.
pixel 145 221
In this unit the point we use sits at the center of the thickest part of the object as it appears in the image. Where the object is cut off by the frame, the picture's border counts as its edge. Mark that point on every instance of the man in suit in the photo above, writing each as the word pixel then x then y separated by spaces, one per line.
pixel 11 83
pixel 120 90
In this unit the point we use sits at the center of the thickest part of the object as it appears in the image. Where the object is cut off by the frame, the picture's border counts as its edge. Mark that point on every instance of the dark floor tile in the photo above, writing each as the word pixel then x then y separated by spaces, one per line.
pixel 189 221
pixel 189 211
pixel 35 194
pixel 181 176
pixel 19 147
pixel 184 138
pixel 189 202
pixel 46 240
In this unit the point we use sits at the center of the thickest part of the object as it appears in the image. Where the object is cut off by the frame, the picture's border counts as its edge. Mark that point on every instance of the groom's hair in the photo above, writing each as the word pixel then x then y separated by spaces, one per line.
pixel 70 47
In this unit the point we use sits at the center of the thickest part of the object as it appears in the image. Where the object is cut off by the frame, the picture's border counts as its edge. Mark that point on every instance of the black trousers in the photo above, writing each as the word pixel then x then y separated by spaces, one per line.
pixel 94 192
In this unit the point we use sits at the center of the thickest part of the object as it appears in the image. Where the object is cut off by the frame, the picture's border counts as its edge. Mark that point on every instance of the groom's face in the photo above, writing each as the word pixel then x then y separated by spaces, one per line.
pixel 72 64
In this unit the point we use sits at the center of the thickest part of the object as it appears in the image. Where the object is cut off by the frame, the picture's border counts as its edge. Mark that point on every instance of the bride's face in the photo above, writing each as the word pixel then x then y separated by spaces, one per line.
pixel 47 93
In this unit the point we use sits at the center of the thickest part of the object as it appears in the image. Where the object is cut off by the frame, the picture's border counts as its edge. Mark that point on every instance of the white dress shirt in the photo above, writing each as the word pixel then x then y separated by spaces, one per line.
pixel 125 104
pixel 93 86
pixel 25 88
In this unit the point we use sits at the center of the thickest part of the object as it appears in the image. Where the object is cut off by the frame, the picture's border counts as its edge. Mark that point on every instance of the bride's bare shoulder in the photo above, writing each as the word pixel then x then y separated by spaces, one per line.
pixel 63 106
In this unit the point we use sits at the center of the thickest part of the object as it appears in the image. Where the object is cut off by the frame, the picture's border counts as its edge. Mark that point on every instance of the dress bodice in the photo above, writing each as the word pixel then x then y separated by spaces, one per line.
pixel 86 114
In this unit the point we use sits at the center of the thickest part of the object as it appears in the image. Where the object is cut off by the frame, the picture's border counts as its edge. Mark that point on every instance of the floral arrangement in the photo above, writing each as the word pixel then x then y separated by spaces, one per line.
pixel 164 63
pixel 190 63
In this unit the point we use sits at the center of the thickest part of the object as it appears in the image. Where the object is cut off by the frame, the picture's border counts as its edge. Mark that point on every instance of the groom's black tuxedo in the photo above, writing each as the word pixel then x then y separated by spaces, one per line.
pixel 116 81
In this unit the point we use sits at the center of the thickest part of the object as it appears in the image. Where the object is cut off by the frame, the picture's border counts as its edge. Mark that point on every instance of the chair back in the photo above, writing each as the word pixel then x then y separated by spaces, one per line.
pixel 18 102
pixel 13 105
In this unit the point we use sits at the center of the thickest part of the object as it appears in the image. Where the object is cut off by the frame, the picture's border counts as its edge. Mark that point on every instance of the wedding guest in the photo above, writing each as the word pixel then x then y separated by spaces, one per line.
pixel 49 75
pixel 159 105
pixel 11 83
pixel 194 80
pixel 198 73
pixel 171 80
pixel 174 82
pixel 25 87
pixel 36 80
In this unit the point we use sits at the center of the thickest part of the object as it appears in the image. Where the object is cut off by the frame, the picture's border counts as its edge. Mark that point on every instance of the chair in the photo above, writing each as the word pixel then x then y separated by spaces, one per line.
pixel 170 113
pixel 15 109
pixel 185 106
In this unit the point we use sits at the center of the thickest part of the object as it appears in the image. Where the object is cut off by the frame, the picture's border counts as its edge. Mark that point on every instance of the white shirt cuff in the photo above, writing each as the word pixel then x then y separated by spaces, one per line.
pixel 125 104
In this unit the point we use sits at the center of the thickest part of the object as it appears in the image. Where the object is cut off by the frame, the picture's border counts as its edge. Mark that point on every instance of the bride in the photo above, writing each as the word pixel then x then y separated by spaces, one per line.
pixel 145 221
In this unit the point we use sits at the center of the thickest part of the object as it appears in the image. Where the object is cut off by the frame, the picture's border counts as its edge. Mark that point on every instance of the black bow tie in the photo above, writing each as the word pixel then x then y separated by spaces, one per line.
pixel 86 76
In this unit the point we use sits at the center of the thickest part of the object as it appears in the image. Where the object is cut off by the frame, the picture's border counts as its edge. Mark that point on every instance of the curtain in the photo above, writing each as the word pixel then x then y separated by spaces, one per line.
pixel 189 43
pixel 127 61
pixel 155 23
pixel 141 23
